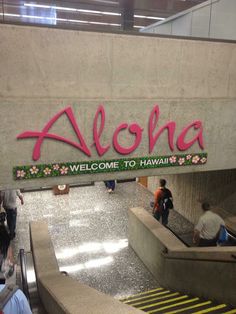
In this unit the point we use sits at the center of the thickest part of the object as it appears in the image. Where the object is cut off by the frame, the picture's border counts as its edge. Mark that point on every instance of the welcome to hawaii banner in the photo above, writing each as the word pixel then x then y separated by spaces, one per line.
pixel 105 166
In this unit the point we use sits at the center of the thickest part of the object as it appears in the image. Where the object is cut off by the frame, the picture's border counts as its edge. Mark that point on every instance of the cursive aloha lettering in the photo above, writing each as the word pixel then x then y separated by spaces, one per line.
pixel 134 129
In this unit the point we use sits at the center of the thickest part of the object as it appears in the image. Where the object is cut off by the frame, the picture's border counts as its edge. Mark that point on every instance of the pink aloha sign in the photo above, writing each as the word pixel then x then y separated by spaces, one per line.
pixel 182 144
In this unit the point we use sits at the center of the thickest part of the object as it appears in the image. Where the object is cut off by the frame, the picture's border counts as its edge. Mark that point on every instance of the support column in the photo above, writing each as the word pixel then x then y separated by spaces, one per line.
pixel 127 14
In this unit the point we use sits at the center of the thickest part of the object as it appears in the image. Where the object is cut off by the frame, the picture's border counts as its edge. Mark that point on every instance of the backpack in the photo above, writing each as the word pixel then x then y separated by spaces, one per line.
pixel 223 235
pixel 165 202
pixel 6 294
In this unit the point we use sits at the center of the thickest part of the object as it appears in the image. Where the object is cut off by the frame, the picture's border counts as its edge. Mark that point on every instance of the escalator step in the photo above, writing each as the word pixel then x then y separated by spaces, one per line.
pixel 189 309
pixel 200 307
pixel 167 307
pixel 219 311
pixel 212 309
pixel 150 301
pixel 172 302
pixel 155 305
pixel 146 297
pixel 141 294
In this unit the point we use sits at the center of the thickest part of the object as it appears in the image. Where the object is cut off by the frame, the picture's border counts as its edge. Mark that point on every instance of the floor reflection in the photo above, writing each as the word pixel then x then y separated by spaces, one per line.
pixel 88 227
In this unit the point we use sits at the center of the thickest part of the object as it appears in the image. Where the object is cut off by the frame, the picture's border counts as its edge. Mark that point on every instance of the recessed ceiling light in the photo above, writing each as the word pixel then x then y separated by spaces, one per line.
pixel 69 9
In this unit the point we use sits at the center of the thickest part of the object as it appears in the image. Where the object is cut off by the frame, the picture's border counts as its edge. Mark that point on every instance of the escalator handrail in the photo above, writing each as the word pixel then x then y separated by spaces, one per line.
pixel 25 286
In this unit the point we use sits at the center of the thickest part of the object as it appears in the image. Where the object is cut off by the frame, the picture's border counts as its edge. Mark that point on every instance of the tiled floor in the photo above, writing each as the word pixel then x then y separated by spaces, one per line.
pixel 88 227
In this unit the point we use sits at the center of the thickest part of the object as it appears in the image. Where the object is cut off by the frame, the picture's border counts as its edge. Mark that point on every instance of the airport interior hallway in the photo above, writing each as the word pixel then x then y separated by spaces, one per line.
pixel 88 227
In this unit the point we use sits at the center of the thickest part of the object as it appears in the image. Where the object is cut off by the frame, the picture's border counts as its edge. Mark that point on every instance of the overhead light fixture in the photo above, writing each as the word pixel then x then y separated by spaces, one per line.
pixel 42 6
pixel 58 19
pixel 137 26
pixel 106 2
pixel 149 17
pixel 9 14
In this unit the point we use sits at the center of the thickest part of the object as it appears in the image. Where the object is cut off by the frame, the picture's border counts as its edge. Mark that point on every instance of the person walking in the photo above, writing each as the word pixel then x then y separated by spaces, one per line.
pixel 8 201
pixel 6 253
pixel 163 202
pixel 206 231
pixel 110 185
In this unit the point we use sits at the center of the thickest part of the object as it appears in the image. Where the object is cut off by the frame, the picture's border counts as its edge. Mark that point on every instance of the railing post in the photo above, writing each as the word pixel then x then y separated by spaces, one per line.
pixel 3 10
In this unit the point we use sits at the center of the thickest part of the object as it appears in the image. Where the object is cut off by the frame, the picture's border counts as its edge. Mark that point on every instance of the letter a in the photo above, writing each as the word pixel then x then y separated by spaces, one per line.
pixel 182 145
pixel 44 134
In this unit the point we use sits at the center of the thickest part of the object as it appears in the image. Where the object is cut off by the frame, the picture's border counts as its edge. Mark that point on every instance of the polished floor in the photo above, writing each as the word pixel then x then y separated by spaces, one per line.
pixel 88 227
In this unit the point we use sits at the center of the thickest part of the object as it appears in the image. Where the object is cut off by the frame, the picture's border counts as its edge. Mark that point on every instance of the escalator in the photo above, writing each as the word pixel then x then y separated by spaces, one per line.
pixel 26 280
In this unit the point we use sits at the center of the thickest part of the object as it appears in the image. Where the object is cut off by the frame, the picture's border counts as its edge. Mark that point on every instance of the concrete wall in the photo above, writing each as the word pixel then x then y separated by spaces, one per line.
pixel 211 19
pixel 61 294
pixel 44 70
pixel 203 272
pixel 189 190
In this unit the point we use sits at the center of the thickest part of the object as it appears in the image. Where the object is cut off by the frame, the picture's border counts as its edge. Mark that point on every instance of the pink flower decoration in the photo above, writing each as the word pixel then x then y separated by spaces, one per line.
pixel 172 159
pixel 47 171
pixel 181 161
pixel 203 160
pixel 64 170
pixel 189 157
pixel 20 173
pixel 56 167
pixel 195 159
pixel 34 170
